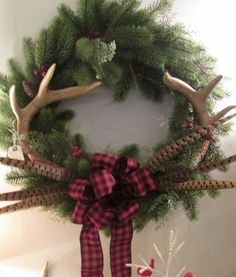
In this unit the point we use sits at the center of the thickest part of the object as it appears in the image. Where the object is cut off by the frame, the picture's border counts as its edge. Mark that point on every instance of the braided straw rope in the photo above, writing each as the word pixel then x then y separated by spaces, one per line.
pixel 179 145
pixel 53 172
pixel 183 175
pixel 36 201
pixel 28 193
pixel 199 185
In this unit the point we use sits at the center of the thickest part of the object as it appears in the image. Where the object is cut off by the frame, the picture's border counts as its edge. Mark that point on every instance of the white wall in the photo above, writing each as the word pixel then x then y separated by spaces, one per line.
pixel 29 238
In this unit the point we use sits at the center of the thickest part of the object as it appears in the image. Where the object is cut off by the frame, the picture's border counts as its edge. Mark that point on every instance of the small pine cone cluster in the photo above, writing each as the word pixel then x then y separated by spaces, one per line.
pixel 29 88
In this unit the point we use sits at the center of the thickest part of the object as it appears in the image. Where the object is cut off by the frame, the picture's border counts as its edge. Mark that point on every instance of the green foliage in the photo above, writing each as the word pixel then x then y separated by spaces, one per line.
pixel 130 151
pixel 29 53
pixel 5 135
pixel 17 177
pixel 213 193
pixel 4 83
pixel 84 75
pixel 84 168
pixel 95 53
pixel 70 17
pixel 78 140
pixel 130 36
pixel 43 49
pixel 85 49
pixel 65 115
pixel 123 86
pixel 190 204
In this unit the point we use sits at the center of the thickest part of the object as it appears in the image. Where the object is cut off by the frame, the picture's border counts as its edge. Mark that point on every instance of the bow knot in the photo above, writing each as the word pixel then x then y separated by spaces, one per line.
pixel 110 191
pixel 108 197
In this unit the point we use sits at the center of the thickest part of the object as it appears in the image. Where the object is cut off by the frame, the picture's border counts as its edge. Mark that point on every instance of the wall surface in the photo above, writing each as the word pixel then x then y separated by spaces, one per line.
pixel 29 238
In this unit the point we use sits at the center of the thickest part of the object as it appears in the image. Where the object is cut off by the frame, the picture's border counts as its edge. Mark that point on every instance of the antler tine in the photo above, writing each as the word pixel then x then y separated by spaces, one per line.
pixel 197 99
pixel 205 92
pixel 223 112
pixel 178 85
pixel 13 102
pixel 43 88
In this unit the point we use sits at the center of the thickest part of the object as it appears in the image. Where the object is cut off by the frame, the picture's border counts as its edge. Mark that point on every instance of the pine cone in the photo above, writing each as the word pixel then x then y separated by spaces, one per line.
pixel 29 89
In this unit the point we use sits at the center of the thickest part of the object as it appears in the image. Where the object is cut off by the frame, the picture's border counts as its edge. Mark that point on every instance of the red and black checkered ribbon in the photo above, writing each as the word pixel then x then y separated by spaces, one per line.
pixel 108 197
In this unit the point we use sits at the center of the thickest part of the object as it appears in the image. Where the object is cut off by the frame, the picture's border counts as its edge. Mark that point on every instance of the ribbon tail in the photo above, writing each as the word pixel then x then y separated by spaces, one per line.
pixel 120 249
pixel 91 252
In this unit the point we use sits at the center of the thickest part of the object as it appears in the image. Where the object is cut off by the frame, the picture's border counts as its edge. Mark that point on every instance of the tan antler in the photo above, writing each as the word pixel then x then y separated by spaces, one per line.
pixel 202 117
pixel 44 272
pixel 197 98
pixel 198 102
pixel 44 97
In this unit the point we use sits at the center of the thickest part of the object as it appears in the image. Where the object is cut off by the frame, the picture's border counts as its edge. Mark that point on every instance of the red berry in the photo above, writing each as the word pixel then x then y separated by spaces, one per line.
pixel 43 68
pixel 188 119
pixel 36 72
pixel 43 73
pixel 96 34
pixel 76 151
pixel 190 125
pixel 182 126
pixel 188 274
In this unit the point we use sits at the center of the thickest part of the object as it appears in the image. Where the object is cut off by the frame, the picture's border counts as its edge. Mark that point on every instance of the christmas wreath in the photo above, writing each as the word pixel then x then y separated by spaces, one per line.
pixel 121 46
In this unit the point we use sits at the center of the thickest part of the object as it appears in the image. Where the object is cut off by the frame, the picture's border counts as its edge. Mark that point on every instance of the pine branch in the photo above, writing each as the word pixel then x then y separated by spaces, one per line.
pixel 130 150
pixel 4 83
pixel 69 16
pixel 29 53
pixel 16 177
pixel 65 115
pixel 125 8
pixel 130 36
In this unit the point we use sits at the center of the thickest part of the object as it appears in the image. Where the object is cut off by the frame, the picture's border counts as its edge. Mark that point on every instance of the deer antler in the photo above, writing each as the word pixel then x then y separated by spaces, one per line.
pixel 200 109
pixel 198 102
pixel 44 97
pixel 197 98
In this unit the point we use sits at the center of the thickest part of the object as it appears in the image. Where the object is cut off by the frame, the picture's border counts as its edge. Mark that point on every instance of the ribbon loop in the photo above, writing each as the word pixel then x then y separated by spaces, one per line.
pixel 77 189
pixel 103 183
pixel 101 161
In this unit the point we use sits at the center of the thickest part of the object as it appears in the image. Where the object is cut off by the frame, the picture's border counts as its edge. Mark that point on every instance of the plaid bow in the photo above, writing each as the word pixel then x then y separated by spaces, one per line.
pixel 108 198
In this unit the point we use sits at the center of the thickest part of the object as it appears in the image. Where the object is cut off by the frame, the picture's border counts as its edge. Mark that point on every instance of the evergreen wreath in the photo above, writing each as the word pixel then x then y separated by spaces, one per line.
pixel 124 46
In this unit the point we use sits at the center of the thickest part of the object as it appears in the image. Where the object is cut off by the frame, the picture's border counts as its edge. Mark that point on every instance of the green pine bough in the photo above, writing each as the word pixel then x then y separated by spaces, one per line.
pixel 125 47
